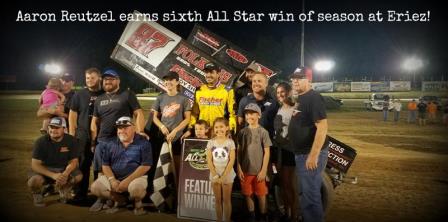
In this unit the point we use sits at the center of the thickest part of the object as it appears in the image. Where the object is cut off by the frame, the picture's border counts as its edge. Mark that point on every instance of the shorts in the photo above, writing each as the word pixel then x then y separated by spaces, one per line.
pixel 421 115
pixel 250 185
pixel 137 182
pixel 49 180
pixel 288 158
pixel 228 179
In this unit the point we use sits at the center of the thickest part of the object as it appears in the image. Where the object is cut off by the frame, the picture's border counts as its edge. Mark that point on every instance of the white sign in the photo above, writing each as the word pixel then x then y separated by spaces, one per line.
pixel 400 85
pixel 148 40
pixel 323 86
pixel 360 86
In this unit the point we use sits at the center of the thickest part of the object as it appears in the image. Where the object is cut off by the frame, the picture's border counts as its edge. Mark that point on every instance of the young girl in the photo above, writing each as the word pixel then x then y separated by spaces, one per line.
pixel 220 160
pixel 51 103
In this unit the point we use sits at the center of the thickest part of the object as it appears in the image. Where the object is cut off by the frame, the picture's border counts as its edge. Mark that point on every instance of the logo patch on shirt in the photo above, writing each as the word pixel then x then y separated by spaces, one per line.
pixel 210 101
pixel 64 149
pixel 170 110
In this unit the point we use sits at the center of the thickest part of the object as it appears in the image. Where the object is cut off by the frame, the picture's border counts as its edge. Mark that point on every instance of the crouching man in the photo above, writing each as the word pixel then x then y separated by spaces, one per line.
pixel 125 162
pixel 54 162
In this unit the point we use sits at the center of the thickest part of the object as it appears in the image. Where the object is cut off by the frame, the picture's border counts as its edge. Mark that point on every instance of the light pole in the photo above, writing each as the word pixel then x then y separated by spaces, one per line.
pixel 411 65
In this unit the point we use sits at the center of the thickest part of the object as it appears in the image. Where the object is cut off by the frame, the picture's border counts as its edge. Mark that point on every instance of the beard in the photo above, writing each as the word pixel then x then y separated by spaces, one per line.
pixel 123 138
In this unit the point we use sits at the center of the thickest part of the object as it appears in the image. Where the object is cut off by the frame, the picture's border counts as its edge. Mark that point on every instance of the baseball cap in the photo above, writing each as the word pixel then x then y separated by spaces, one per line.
pixel 111 72
pixel 254 67
pixel 252 107
pixel 302 73
pixel 124 121
pixel 210 67
pixel 58 122
pixel 67 77
pixel 171 75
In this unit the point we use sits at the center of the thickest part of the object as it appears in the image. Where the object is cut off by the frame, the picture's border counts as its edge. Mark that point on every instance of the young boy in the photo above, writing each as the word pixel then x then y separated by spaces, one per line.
pixel 201 129
pixel 253 157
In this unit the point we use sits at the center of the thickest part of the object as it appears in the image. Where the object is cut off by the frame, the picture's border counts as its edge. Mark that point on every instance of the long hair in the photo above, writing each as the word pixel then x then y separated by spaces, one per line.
pixel 288 100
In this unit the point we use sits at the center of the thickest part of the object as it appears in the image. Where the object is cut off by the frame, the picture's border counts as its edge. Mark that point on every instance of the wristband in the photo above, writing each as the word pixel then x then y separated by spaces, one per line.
pixel 216 177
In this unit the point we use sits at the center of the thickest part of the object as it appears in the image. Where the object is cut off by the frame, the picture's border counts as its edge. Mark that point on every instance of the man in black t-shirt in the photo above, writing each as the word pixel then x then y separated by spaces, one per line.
pixel 67 81
pixel 110 106
pixel 80 117
pixel 54 160
pixel 307 132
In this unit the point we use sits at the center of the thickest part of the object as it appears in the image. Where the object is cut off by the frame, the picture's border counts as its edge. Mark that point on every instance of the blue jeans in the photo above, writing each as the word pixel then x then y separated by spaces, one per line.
pixel 385 112
pixel 396 116
pixel 412 116
pixel 310 184
pixel 97 155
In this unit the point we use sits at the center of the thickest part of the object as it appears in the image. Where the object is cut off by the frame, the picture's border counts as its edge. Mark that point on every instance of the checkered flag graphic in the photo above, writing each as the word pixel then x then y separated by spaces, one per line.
pixel 164 180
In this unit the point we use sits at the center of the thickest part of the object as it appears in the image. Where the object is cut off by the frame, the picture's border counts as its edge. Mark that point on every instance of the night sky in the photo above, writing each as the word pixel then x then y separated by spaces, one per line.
pixel 359 49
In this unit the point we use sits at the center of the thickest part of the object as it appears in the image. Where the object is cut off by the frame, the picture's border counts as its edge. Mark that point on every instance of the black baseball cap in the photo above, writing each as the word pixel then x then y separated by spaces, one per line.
pixel 210 67
pixel 67 77
pixel 171 75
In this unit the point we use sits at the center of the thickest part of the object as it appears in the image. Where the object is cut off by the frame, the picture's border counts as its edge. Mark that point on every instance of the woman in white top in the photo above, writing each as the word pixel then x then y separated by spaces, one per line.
pixel 286 162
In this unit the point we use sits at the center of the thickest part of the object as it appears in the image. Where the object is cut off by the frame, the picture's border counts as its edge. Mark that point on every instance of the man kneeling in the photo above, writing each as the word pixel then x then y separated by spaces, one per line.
pixel 54 161
pixel 125 162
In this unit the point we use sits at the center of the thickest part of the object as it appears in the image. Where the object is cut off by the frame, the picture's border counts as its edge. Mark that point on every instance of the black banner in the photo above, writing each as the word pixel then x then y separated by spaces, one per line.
pixel 225 52
pixel 340 155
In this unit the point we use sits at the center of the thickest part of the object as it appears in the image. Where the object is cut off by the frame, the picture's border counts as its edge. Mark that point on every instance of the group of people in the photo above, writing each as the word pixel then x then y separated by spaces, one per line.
pixel 417 112
pixel 250 133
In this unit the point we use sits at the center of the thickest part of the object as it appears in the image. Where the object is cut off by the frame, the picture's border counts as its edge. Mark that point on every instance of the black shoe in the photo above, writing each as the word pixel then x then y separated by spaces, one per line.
pixel 82 201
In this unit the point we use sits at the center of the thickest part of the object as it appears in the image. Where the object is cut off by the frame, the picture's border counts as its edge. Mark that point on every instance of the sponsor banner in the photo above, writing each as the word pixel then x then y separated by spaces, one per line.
pixel 189 62
pixel 196 200
pixel 360 86
pixel 226 52
pixel 434 86
pixel 379 87
pixel 340 155
pixel 149 41
pixel 400 86
pixel 323 86
pixel 341 87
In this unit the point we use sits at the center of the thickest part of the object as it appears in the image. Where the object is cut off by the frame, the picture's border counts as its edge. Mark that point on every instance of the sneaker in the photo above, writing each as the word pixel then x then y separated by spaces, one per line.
pixel 139 211
pixel 38 200
pixel 65 195
pixel 97 206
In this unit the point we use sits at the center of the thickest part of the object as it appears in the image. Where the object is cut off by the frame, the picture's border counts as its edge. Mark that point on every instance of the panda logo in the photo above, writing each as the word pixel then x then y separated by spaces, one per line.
pixel 220 154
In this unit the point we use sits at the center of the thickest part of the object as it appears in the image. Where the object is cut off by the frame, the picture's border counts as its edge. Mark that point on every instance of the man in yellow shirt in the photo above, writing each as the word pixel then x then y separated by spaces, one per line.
pixel 213 100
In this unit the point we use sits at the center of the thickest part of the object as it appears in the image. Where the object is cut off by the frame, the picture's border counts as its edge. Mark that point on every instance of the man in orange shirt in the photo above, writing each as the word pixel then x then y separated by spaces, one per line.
pixel 412 111
pixel 432 112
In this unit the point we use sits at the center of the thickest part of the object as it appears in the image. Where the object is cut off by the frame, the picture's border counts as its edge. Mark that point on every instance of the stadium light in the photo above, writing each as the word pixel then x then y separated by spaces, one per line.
pixel 53 69
pixel 411 65
pixel 324 65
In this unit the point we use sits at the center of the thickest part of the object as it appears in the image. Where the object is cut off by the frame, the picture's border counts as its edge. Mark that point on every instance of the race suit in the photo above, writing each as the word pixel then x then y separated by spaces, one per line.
pixel 210 103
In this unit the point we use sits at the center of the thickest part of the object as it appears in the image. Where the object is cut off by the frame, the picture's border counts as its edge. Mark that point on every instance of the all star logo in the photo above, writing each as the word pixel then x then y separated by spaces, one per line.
pixel 237 56
pixel 147 38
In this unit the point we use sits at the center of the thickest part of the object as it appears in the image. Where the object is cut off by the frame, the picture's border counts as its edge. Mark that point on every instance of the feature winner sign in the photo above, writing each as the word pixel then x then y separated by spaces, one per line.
pixel 196 200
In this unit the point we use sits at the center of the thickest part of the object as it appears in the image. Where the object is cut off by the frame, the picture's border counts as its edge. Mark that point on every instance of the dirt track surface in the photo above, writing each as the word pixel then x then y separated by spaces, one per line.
pixel 402 171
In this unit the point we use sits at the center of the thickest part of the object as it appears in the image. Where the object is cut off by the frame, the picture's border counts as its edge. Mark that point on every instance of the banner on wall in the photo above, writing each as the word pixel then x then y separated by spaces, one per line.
pixel 400 86
pixel 360 86
pixel 323 86
pixel 435 86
